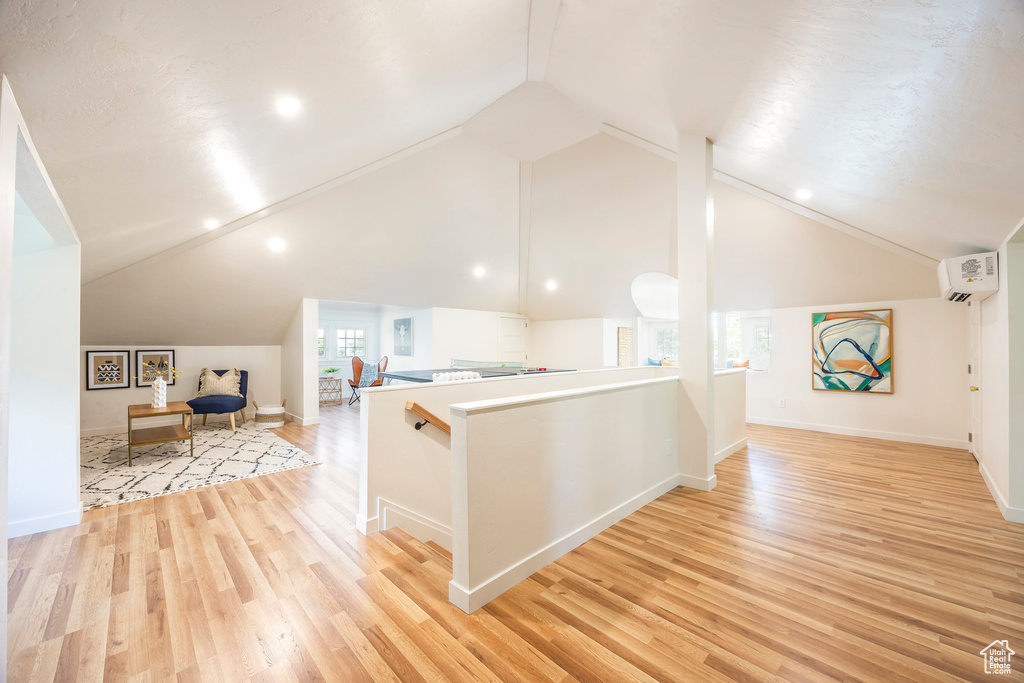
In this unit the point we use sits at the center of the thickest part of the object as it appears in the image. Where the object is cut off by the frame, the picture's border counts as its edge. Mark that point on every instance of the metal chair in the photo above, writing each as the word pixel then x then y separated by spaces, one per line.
pixel 362 379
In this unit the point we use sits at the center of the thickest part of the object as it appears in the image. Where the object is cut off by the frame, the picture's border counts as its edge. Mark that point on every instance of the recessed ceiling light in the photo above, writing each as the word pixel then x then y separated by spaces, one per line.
pixel 276 245
pixel 804 194
pixel 211 223
pixel 551 285
pixel 288 106
pixel 479 271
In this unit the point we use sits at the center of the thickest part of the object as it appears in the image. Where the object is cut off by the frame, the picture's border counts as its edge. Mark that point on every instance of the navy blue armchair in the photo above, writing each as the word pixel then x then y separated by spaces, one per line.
pixel 218 405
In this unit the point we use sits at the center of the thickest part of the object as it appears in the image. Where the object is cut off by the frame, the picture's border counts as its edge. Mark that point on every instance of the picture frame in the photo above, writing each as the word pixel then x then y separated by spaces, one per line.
pixel 164 360
pixel 404 345
pixel 107 370
pixel 852 351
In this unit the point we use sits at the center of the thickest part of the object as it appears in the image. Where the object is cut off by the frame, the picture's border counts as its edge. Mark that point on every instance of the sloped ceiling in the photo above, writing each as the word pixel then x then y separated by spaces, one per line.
pixel 905 118
pixel 154 116
pixel 407 234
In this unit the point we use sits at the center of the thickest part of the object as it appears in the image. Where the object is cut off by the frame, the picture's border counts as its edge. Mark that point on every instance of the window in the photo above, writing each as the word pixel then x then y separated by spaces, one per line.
pixel 351 342
pixel 321 342
pixel 733 338
pixel 763 338
pixel 667 343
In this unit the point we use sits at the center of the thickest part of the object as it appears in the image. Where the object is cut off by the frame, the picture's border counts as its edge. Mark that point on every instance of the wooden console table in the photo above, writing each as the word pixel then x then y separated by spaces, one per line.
pixel 330 391
pixel 165 434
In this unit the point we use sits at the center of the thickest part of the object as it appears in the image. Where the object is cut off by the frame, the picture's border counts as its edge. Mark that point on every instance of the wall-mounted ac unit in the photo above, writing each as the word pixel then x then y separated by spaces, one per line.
pixel 969 278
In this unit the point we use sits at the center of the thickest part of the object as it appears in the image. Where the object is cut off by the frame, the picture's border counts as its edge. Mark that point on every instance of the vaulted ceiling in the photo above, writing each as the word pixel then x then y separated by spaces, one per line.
pixel 905 119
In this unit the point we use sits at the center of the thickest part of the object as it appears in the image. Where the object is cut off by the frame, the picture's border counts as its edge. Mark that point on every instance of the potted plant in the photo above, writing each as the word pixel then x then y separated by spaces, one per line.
pixel 329 372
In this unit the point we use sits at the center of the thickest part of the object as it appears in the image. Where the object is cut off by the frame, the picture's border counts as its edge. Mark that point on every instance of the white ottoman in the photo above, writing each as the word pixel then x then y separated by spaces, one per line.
pixel 269 417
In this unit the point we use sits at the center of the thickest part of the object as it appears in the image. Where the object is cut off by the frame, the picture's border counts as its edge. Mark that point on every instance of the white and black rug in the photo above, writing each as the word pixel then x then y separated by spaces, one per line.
pixel 220 455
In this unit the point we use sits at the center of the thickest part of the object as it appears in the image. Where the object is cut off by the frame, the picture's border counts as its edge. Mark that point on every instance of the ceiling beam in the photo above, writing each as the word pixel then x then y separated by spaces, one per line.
pixel 543 17
pixel 277 207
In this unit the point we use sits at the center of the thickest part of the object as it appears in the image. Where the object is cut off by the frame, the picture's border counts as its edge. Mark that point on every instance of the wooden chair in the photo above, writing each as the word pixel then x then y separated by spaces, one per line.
pixel 357 382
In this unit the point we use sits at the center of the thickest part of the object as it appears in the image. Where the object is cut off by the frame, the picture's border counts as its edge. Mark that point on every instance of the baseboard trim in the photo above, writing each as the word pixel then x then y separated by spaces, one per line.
pixel 697 482
pixel 44 523
pixel 470 600
pixel 729 450
pixel 367 525
pixel 416 525
pixel 1010 514
pixel 302 422
pixel 864 433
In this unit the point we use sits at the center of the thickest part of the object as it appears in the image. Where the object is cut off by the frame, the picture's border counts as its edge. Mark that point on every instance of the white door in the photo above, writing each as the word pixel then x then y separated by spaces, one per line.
pixel 974 377
pixel 512 339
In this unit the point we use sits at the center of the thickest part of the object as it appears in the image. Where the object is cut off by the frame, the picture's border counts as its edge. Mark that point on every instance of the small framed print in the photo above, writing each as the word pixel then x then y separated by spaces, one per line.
pixel 107 370
pixel 150 364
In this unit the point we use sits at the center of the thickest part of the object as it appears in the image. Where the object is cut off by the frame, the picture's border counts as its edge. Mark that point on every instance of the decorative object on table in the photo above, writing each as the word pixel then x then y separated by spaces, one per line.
pixel 852 351
pixel 364 376
pixel 159 378
pixel 217 455
pixel 164 434
pixel 455 376
pixel 221 392
pixel 403 337
pixel 330 391
pixel 107 370
pixel 270 417
pixel 152 364
pixel 330 372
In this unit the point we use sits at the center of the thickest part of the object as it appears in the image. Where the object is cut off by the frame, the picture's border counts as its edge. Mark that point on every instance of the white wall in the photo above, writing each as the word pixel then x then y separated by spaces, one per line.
pixel 930 356
pixel 535 476
pixel 405 475
pixel 299 367
pixel 1000 454
pixel 105 411
pixel 46 373
pixel 730 412
pixel 770 257
pixel 583 344
pixel 466 335
pixel 422 337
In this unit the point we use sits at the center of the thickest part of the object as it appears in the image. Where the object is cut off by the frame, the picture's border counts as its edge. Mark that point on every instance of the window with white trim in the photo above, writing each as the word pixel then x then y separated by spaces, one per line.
pixel 321 342
pixel 351 342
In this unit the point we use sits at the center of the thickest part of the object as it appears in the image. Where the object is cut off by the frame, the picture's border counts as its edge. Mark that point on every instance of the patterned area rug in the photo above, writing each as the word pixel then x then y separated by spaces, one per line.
pixel 220 455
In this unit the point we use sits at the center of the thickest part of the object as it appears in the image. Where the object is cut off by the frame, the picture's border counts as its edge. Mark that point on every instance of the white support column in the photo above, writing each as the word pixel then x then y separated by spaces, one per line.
pixel 1014 267
pixel 695 245
pixel 525 190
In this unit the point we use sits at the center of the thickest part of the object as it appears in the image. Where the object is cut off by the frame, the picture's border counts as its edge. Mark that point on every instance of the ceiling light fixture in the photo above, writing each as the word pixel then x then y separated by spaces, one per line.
pixel 479 272
pixel 211 223
pixel 551 285
pixel 804 194
pixel 276 245
pixel 288 107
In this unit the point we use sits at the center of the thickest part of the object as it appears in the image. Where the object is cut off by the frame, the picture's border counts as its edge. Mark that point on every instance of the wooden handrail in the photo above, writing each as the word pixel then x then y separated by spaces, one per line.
pixel 428 417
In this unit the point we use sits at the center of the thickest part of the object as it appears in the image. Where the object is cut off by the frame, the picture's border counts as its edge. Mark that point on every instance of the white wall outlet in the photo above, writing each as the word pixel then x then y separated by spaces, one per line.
pixel 670 447
pixel 782 403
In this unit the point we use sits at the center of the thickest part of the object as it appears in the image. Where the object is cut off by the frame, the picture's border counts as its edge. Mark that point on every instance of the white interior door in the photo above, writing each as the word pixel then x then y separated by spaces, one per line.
pixel 511 339
pixel 974 376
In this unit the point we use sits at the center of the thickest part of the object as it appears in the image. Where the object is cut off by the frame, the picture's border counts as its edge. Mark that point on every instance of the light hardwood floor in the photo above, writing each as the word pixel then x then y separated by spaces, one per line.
pixel 816 558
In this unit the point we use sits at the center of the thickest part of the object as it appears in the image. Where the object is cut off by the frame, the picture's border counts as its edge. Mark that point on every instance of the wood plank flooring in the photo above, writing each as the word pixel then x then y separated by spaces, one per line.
pixel 817 557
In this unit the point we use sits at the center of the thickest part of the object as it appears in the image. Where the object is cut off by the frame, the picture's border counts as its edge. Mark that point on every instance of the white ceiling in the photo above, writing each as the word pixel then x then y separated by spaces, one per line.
pixel 906 119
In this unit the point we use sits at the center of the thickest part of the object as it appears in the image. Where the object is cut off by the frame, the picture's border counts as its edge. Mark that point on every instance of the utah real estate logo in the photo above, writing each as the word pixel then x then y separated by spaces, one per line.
pixel 997 657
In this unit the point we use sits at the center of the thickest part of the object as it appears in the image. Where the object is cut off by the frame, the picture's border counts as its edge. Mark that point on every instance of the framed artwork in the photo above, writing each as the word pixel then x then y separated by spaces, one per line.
pixel 403 337
pixel 159 365
pixel 852 351
pixel 107 370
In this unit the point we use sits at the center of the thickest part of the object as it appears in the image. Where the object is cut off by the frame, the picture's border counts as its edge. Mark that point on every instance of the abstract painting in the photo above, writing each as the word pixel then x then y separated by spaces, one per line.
pixel 152 364
pixel 106 370
pixel 852 351
pixel 403 337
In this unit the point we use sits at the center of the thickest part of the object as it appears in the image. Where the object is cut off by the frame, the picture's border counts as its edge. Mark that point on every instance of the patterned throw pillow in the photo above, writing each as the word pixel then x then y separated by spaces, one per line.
pixel 211 384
